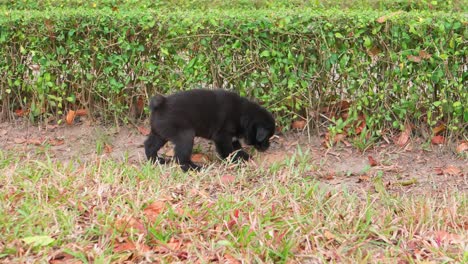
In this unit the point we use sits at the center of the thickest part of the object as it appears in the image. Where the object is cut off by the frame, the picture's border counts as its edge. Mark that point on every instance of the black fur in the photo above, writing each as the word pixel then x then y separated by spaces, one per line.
pixel 218 115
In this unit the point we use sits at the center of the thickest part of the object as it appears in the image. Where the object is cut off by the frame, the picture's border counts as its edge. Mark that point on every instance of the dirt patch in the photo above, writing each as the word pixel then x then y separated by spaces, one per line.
pixel 414 169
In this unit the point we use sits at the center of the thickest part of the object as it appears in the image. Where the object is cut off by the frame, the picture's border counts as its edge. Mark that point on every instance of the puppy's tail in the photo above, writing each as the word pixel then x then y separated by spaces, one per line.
pixel 156 102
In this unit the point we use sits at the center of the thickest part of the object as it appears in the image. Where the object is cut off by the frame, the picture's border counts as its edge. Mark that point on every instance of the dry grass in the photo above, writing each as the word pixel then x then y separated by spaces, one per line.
pixel 107 211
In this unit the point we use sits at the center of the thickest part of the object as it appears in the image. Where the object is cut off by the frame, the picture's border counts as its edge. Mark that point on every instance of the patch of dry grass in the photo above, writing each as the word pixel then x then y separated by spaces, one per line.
pixel 108 211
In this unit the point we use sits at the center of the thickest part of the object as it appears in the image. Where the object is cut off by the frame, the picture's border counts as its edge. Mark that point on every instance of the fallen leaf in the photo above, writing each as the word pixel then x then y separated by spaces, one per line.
pixel 35 141
pixel 107 148
pixel 230 259
pixel 443 237
pixel 140 105
pixel 382 19
pixel 64 258
pixel 423 54
pixel 153 210
pixel 402 140
pixel 19 140
pixel 372 161
pixel 362 124
pixel 339 138
pixel 126 246
pixel 439 171
pixel 20 112
pixel 328 235
pixel 363 178
pixel 123 224
pixel 227 178
pixel 438 140
pixel 143 130
pixel 70 117
pixel 56 142
pixel 81 112
pixel 462 147
pixel 414 58
pixel 438 129
pixel 407 183
pixel 330 176
pixel 298 124
pixel 452 170
pixel 374 51
pixel 199 158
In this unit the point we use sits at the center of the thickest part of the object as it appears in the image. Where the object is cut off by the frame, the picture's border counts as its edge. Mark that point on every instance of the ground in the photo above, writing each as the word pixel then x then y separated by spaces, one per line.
pixel 415 168
pixel 85 193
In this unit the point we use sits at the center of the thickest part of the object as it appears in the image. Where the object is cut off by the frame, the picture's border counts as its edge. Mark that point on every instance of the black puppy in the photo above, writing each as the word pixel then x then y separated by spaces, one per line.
pixel 218 115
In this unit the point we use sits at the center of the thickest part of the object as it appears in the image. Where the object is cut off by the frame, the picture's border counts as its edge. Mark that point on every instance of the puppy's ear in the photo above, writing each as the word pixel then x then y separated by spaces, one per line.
pixel 262 134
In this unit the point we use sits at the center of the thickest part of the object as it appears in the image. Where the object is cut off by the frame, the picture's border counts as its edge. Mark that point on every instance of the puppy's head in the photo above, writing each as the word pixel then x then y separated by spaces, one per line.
pixel 259 127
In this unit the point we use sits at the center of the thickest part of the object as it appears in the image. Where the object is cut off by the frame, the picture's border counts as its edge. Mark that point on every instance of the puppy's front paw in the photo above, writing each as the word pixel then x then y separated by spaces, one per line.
pixel 190 166
pixel 157 160
pixel 241 156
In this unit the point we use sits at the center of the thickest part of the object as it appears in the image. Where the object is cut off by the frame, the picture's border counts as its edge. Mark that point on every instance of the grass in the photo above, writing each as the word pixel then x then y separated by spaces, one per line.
pixel 108 211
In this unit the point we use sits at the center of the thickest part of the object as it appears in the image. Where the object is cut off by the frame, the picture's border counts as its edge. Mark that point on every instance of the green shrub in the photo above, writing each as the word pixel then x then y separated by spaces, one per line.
pixel 391 67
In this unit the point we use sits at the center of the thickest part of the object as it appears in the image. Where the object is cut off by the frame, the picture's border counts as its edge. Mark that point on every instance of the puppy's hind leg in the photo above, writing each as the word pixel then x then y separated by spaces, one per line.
pixel 152 144
pixel 183 150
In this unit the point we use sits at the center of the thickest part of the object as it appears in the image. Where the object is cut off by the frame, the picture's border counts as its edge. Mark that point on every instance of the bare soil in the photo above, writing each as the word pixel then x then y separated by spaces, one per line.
pixel 417 168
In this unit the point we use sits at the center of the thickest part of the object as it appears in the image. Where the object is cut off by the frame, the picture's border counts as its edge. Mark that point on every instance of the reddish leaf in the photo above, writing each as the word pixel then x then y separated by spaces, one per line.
pixel 35 141
pixel 19 140
pixel 143 130
pixel 130 223
pixel 414 58
pixel 363 178
pixel 439 171
pixel 56 142
pixel 437 140
pixel 372 161
pixel 153 210
pixel 462 147
pixel 362 125
pixel 20 112
pixel 140 104
pixel 70 117
pixel 199 158
pixel 107 148
pixel 298 124
pixel 452 170
pixel 236 213
pixel 227 178
pixel 126 246
pixel 64 258
pixel 438 129
pixel 230 259
pixel 81 112
pixel 402 140
pixel 423 54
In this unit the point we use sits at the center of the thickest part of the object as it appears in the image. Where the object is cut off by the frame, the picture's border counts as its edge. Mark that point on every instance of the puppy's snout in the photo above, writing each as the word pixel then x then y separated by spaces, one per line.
pixel 262 146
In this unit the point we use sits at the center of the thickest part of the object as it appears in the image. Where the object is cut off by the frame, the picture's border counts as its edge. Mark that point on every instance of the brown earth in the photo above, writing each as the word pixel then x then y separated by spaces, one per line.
pixel 416 168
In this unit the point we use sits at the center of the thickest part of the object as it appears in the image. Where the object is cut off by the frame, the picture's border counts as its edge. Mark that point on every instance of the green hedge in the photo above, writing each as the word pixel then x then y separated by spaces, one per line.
pixel 412 66
pixel 406 5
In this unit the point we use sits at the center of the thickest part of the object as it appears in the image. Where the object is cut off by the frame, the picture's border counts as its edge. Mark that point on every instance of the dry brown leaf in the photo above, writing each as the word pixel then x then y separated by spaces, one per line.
pixel 20 112
pixel 443 237
pixel 228 178
pixel 19 140
pixel 452 170
pixel 130 222
pixel 199 158
pixel 372 161
pixel 108 148
pixel 363 178
pixel 330 176
pixel 70 117
pixel 64 258
pixel 402 140
pixel 298 124
pixel 153 210
pixel 35 141
pixel 140 105
pixel 56 142
pixel 423 54
pixel 414 58
pixel 438 129
pixel 143 130
pixel 462 147
pixel 374 51
pixel 382 19
pixel 438 140
pixel 230 259
pixel 328 235
pixel 125 246
pixel 81 112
